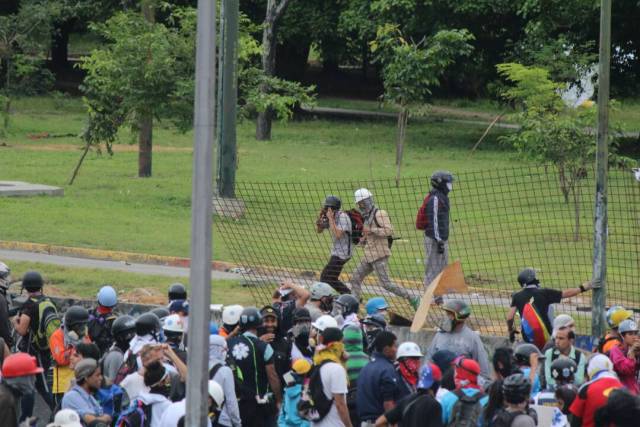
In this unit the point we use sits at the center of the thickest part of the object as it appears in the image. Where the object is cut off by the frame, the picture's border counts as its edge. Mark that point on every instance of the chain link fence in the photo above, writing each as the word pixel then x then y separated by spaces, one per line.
pixel 501 221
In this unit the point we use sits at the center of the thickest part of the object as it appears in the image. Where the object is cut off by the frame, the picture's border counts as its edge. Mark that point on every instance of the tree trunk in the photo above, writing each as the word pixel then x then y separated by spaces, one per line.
pixel 145 147
pixel 60 46
pixel 564 185
pixel 403 117
pixel 576 206
pixel 275 10
pixel 77 168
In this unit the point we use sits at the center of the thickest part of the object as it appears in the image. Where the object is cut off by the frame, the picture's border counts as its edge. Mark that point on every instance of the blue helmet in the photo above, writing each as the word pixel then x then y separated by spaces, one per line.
pixel 107 297
pixel 375 304
pixel 429 374
pixel 213 328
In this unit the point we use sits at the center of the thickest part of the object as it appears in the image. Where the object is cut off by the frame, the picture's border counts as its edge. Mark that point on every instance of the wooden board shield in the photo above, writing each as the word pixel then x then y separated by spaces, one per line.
pixel 450 279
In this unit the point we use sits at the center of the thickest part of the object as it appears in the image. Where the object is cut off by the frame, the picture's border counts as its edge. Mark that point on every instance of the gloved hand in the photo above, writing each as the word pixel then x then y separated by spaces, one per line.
pixel 441 247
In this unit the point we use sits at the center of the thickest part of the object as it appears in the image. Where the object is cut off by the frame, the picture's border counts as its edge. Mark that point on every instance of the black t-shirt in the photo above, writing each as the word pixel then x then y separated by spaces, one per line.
pixel 30 308
pixel 542 299
pixel 415 410
pixel 285 312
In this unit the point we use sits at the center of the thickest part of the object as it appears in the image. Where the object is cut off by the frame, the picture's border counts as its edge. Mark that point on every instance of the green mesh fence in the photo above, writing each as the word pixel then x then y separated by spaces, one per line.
pixel 501 221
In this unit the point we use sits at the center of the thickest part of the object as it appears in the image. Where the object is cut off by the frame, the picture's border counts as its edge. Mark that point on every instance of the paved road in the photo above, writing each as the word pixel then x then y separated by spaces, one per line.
pixel 66 261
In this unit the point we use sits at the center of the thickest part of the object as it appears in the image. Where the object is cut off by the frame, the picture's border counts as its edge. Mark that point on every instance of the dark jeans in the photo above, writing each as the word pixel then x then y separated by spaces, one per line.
pixel 254 415
pixel 331 273
pixel 43 386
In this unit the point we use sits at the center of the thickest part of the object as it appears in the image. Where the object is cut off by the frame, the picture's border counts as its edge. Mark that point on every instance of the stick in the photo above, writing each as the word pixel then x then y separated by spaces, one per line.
pixel 77 168
pixel 486 132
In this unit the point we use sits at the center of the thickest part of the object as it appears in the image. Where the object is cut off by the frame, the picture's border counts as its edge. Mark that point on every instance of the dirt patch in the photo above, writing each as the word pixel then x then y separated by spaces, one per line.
pixel 144 296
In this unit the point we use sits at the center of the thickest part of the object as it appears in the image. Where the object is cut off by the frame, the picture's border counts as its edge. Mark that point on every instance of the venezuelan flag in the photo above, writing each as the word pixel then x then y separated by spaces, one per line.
pixel 533 328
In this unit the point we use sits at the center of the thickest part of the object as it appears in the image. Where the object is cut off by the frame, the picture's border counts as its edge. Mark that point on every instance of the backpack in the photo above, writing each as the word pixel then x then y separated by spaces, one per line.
pixel 467 410
pixel 129 366
pixel 49 322
pixel 99 329
pixel 238 378
pixel 137 415
pixel 606 340
pixel 504 418
pixel 113 400
pixel 314 404
pixel 390 239
pixel 422 220
pixel 357 222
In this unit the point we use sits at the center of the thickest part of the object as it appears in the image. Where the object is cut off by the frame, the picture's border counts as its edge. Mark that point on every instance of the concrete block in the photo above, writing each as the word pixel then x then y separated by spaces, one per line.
pixel 23 189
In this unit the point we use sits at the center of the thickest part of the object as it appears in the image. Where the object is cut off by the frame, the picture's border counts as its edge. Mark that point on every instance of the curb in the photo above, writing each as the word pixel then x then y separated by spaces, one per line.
pixel 103 254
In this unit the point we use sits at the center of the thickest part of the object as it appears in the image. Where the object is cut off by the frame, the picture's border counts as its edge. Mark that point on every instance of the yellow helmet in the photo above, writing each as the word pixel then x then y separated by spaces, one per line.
pixel 617 314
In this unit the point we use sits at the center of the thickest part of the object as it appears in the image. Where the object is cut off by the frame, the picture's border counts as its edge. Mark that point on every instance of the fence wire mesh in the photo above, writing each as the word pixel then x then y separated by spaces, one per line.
pixel 501 221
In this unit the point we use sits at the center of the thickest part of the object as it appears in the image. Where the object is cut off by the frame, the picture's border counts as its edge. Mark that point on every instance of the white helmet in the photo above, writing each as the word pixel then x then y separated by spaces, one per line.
pixel 408 349
pixel 173 323
pixel 216 393
pixel 324 322
pixel 231 314
pixel 362 194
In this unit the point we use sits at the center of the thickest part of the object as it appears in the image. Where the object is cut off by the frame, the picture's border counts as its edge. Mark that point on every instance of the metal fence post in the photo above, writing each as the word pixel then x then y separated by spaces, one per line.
pixel 201 216
pixel 598 327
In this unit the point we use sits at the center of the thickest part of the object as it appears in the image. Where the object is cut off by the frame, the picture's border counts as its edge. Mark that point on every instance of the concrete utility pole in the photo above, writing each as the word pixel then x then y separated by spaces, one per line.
pixel 201 216
pixel 228 98
pixel 599 296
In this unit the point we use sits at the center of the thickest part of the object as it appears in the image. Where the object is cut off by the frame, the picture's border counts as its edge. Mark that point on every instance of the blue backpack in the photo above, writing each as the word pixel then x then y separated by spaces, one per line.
pixel 113 400
pixel 137 415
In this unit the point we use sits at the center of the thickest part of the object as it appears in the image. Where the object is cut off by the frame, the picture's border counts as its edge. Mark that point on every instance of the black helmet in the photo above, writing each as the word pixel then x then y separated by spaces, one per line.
pixel 459 308
pixel 177 291
pixel 332 202
pixel 375 321
pixel 32 281
pixel 161 312
pixel 75 315
pixel 347 303
pixel 440 179
pixel 516 388
pixel 563 369
pixel 523 353
pixel 527 277
pixel 147 323
pixel 301 315
pixel 250 318
pixel 123 326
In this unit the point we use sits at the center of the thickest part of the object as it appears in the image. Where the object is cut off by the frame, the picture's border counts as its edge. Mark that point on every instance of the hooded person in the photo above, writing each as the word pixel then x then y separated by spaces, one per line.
pixel 157 379
pixel 466 374
pixel 222 374
pixel 19 372
pixel 294 382
pixel 299 334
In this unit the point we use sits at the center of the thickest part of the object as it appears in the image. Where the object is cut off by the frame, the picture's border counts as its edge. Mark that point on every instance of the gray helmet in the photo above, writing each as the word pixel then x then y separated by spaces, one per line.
pixel 321 289
pixel 440 179
pixel 5 275
pixel 75 315
pixel 523 352
pixel 459 308
pixel 516 388
pixel 348 304
pixel 527 277
pixel 332 202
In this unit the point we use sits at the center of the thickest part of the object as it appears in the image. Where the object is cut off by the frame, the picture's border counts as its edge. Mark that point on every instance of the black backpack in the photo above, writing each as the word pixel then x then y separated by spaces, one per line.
pixel 314 404
pixel 99 329
pixel 467 410
pixel 129 366
pixel 138 415
pixel 505 418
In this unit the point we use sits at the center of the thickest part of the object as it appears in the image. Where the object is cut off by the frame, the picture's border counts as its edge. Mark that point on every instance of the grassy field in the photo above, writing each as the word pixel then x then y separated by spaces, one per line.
pixel 133 288
pixel 110 208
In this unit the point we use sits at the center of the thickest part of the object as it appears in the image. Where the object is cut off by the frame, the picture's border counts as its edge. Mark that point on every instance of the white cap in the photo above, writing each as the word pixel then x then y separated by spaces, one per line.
pixel 216 393
pixel 408 349
pixel 362 194
pixel 231 314
pixel 66 418
pixel 173 323
pixel 325 321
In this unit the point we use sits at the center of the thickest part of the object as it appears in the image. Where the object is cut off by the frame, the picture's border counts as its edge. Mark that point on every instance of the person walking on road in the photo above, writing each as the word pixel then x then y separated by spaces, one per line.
pixel 339 224
pixel 377 233
pixel 433 218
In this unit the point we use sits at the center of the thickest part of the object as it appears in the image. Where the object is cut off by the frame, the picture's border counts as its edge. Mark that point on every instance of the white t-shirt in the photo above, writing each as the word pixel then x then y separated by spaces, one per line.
pixel 133 384
pixel 334 381
pixel 174 412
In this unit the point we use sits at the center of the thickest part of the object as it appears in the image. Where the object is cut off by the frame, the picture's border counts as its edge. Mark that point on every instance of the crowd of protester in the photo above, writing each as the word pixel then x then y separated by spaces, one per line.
pixel 312 357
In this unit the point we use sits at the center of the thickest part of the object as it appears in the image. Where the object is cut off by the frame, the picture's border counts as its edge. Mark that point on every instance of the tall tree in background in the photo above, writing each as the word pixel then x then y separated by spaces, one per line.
pixel 275 10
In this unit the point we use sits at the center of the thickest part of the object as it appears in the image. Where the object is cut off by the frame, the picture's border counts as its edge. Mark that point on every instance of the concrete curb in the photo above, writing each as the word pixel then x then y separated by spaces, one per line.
pixel 103 254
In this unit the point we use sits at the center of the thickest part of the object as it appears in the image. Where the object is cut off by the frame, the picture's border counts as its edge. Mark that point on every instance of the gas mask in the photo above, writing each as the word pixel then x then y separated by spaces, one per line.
pixel 446 324
pixel 301 331
pixel 77 331
pixel 365 206
pixel 326 304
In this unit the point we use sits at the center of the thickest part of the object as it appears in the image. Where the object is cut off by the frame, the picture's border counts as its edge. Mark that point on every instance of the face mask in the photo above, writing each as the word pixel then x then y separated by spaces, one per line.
pixel 162 389
pixel 301 330
pixel 449 186
pixel 446 324
pixel 326 305
pixel 336 310
pixel 22 386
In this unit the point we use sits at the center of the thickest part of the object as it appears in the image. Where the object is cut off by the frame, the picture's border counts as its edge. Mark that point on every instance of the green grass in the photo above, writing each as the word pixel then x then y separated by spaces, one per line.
pixel 135 288
pixel 627 115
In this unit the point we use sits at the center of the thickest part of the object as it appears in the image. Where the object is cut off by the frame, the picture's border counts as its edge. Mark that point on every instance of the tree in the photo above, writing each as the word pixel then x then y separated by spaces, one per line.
pixel 410 69
pixel 145 71
pixel 275 10
pixel 552 132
